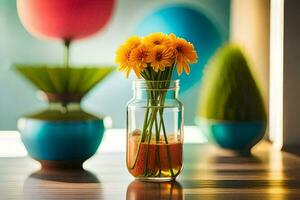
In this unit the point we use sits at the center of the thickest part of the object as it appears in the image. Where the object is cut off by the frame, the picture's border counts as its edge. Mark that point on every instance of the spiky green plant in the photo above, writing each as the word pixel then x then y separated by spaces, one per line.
pixel 62 80
pixel 58 80
pixel 229 91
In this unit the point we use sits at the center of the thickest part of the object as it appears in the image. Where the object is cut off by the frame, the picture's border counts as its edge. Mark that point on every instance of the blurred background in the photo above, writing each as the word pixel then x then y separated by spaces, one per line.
pixel 267 30
pixel 206 23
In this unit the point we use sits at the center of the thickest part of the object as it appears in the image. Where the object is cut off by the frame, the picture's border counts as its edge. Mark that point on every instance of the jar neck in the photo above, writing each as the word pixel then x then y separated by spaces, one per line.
pixel 155 90
pixel 153 95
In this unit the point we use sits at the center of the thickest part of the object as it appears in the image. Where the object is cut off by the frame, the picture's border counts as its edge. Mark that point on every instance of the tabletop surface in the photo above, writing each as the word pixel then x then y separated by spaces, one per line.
pixel 209 173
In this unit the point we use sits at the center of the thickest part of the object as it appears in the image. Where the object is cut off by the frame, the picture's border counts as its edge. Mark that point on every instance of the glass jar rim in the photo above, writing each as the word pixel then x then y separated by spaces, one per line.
pixel 156 85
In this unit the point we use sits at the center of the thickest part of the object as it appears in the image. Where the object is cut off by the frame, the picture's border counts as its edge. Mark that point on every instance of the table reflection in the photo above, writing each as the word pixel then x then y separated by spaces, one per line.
pixel 225 176
pixel 138 190
pixel 62 184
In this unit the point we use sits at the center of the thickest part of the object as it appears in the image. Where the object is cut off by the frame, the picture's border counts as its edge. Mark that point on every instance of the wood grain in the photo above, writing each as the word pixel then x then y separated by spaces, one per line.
pixel 209 173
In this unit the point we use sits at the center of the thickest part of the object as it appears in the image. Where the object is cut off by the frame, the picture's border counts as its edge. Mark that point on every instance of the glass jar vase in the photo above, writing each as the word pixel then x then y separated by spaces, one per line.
pixel 155 131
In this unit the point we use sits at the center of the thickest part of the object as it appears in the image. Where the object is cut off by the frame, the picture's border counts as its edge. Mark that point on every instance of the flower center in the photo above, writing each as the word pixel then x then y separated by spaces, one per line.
pixel 179 49
pixel 142 55
pixel 158 56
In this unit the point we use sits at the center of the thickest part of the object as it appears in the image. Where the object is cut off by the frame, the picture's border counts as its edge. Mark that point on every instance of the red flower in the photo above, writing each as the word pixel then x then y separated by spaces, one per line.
pixel 64 19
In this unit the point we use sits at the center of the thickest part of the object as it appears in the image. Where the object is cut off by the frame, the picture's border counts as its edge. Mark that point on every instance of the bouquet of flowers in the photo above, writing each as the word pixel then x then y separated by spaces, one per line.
pixel 154 58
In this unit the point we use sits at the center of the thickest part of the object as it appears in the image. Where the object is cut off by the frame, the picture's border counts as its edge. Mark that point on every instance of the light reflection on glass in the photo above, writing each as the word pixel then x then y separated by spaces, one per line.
pixel 138 190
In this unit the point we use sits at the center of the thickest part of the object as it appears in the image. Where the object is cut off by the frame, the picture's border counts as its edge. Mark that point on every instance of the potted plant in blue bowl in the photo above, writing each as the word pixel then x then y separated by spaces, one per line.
pixel 63 135
pixel 231 112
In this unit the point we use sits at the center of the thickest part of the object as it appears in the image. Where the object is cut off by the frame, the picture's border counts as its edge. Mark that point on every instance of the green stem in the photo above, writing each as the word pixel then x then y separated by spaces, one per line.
pixel 154 112
pixel 142 137
pixel 161 110
pixel 166 139
pixel 67 44
pixel 146 75
pixel 157 146
pixel 145 122
pixel 154 103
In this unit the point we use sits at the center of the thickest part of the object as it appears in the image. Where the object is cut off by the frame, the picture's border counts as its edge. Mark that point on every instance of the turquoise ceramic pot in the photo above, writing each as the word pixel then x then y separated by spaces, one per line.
pixel 61 143
pixel 238 136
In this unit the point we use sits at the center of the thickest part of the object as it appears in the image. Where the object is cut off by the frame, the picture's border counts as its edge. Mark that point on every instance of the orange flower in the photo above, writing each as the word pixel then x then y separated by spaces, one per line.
pixel 139 58
pixel 123 54
pixel 157 39
pixel 122 58
pixel 185 54
pixel 133 42
pixel 160 57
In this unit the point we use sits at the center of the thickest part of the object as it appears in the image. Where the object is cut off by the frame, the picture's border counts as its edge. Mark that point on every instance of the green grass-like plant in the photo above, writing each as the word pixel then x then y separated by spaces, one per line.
pixel 62 80
pixel 229 91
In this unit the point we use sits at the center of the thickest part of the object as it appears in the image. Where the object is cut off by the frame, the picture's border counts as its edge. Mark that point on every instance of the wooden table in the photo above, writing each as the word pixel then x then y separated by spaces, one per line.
pixel 209 173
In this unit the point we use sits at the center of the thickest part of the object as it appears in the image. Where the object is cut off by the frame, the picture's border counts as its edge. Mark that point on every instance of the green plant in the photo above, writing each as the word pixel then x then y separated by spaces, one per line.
pixel 64 80
pixel 229 91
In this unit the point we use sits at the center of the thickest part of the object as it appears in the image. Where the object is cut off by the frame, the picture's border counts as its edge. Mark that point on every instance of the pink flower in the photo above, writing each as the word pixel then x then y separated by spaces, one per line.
pixel 64 19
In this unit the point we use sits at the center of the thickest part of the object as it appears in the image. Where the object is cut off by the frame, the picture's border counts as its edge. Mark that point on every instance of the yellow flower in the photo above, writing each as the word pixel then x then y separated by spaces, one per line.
pixel 139 58
pixel 185 54
pixel 160 57
pixel 123 54
pixel 133 42
pixel 122 58
pixel 157 39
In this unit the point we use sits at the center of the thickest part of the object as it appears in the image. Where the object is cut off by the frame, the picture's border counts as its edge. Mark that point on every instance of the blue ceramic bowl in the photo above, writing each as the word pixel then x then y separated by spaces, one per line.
pixel 238 136
pixel 61 143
